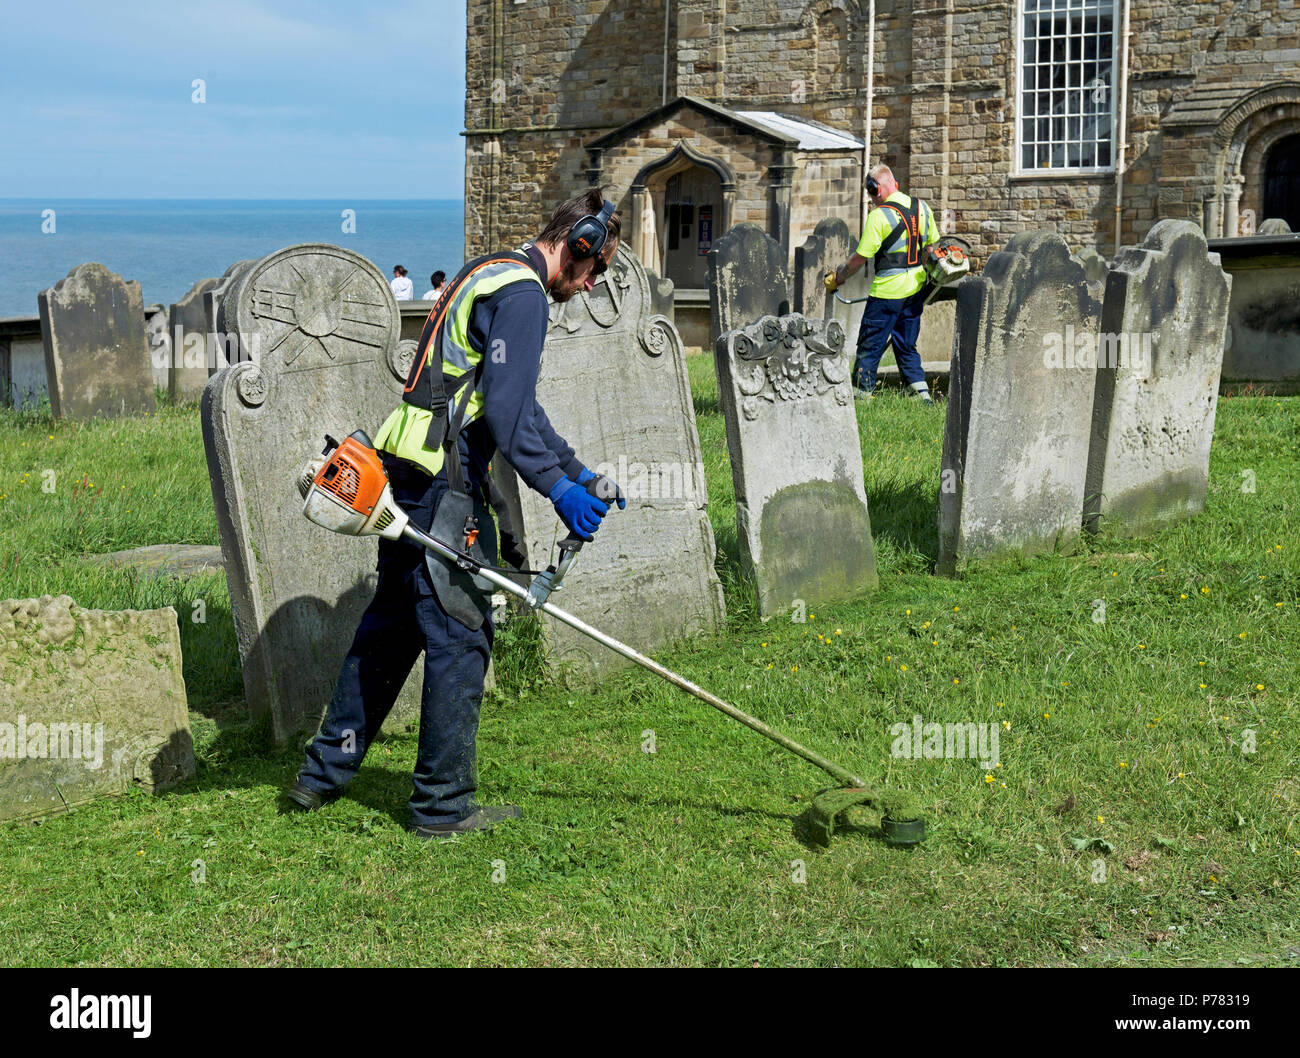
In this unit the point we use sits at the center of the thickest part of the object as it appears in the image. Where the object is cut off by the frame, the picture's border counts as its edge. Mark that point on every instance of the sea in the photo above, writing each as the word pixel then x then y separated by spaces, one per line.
pixel 168 245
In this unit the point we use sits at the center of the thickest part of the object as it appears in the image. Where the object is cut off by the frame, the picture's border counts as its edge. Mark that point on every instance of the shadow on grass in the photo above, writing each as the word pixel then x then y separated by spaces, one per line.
pixel 908 517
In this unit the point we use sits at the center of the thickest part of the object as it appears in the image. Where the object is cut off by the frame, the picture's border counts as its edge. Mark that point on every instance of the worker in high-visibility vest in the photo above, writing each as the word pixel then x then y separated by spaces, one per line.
pixel 895 233
pixel 471 394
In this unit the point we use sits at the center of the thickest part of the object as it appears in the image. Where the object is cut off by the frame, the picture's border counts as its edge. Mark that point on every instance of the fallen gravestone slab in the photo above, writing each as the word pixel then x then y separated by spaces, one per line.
pixel 92 703
pixel 96 355
pixel 175 560
pixel 1159 358
pixel 327 328
pixel 796 460
pixel 1020 391
pixel 648 577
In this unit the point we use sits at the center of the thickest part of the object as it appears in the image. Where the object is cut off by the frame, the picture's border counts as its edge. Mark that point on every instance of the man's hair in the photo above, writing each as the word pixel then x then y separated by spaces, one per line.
pixel 588 204
pixel 437 277
pixel 399 269
pixel 882 170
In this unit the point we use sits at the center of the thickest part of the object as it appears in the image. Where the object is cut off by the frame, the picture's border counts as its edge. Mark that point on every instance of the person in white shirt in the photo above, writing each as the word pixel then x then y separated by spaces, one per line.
pixel 437 279
pixel 403 288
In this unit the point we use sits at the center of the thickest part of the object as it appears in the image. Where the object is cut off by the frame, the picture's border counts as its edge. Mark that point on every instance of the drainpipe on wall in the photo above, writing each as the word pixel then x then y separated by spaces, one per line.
pixel 668 4
pixel 1123 127
pixel 871 85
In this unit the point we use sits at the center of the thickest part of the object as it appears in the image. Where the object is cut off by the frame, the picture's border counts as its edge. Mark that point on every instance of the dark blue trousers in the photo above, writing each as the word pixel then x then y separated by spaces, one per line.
pixel 403 619
pixel 886 320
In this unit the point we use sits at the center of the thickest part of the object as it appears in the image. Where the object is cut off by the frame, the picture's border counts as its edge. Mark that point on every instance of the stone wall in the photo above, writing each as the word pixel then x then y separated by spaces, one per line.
pixel 944 103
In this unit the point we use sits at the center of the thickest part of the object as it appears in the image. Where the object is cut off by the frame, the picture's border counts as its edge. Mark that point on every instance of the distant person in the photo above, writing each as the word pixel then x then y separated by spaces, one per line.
pixel 438 279
pixel 403 288
pixel 896 232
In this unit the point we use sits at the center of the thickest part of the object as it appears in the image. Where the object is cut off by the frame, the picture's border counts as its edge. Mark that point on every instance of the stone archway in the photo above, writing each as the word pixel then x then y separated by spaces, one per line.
pixel 1244 138
pixel 657 206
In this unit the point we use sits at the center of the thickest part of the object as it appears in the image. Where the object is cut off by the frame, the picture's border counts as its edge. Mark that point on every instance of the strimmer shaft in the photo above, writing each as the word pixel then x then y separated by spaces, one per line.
pixel 507 585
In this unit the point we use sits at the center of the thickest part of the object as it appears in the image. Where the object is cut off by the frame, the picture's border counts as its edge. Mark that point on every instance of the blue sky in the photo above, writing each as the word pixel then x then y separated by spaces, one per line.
pixel 330 99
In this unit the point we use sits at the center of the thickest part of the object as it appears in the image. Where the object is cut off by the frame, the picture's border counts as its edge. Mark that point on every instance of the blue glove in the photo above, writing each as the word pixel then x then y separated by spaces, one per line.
pixel 577 509
pixel 602 487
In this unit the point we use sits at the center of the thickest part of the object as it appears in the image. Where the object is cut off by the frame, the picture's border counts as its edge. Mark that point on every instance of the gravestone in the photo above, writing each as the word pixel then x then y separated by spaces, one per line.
pixel 1274 226
pixel 92 703
pixel 830 245
pixel 1020 391
pixel 327 328
pixel 613 383
pixel 159 339
pixel 222 341
pixel 796 460
pixel 96 356
pixel 661 295
pixel 747 279
pixel 1095 266
pixel 1161 352
pixel 188 326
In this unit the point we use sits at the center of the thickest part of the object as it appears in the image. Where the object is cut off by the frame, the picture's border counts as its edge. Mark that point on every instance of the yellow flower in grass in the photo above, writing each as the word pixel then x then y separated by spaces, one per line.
pixel 1242 636
pixel 1006 725
pixel 1047 716
pixel 1205 590
pixel 1123 764
pixel 903 668
pixel 988 778
pixel 927 623
pixel 1100 820
pixel 956 680
pixel 1259 686
pixel 1202 686
pixel 1183 596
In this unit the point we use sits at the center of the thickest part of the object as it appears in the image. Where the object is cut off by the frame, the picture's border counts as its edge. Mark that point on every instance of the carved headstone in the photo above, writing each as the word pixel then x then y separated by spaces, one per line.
pixel 96 355
pixel 92 703
pixel 796 460
pixel 747 279
pixel 613 383
pixel 1159 359
pixel 326 327
pixel 188 327
pixel 1015 446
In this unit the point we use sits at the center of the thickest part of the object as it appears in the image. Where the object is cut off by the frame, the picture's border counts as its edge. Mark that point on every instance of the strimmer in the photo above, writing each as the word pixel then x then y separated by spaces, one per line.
pixel 346 490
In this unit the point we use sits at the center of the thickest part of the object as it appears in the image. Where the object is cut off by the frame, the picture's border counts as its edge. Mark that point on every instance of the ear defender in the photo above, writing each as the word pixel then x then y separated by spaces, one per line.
pixel 588 237
pixel 872 186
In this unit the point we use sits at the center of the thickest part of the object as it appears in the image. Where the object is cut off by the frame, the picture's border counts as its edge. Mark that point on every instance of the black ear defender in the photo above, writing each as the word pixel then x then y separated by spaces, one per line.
pixel 872 187
pixel 588 237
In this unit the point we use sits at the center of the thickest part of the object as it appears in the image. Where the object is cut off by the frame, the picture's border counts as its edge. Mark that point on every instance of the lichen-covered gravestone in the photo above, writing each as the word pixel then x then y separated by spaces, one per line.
pixel 613 383
pixel 92 703
pixel 796 460
pixel 1162 327
pixel 747 279
pixel 188 325
pixel 1015 446
pixel 829 246
pixel 96 355
pixel 327 327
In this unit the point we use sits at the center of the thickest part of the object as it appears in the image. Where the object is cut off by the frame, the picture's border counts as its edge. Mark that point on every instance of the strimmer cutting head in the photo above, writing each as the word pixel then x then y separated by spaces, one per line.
pixel 346 490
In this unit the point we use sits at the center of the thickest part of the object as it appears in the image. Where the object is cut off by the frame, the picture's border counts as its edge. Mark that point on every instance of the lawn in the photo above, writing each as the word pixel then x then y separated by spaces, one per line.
pixel 1144 809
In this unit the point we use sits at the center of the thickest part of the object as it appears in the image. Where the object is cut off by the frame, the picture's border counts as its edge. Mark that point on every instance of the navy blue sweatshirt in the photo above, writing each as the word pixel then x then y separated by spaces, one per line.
pixel 513 423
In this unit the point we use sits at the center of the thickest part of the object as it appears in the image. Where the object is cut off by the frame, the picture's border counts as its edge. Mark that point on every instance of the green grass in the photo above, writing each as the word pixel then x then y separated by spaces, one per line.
pixel 693 854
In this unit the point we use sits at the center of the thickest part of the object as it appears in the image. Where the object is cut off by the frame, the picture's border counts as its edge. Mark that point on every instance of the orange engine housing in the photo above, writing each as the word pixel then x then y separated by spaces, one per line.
pixel 354 475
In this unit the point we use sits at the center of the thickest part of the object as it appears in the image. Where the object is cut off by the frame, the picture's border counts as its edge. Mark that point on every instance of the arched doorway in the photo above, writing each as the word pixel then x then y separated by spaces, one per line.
pixel 692 211
pixel 1282 182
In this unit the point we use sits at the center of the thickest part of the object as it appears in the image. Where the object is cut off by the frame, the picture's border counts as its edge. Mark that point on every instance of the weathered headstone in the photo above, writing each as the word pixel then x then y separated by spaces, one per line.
pixel 159 339
pixel 661 295
pixel 222 342
pixel 92 703
pixel 174 560
pixel 1095 266
pixel 1020 393
pixel 613 382
pixel 326 327
pixel 747 279
pixel 1159 358
pixel 188 326
pixel 96 356
pixel 1274 226
pixel 796 459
